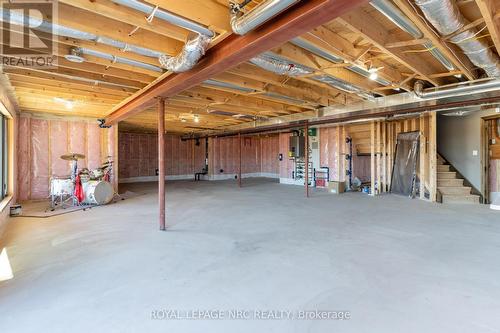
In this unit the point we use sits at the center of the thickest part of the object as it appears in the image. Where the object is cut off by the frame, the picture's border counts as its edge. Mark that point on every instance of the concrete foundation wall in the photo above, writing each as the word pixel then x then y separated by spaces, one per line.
pixel 43 141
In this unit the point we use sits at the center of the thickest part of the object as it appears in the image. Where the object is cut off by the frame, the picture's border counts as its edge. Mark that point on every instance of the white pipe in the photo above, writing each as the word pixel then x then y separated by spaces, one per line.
pixel 259 15
pixel 463 89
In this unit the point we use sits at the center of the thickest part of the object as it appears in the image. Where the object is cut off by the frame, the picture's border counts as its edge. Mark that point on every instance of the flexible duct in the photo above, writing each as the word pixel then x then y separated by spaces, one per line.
pixel 471 87
pixel 445 16
pixel 191 53
pixel 280 66
pixel 404 23
pixel 241 25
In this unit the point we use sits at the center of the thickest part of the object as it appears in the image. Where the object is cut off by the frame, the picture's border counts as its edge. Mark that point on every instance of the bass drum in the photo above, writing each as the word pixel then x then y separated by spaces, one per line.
pixel 97 192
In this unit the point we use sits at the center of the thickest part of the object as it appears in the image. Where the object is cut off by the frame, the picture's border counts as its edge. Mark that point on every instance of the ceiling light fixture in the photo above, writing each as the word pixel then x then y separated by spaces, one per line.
pixel 69 104
pixel 373 73
pixel 196 118
pixel 183 120
pixel 458 76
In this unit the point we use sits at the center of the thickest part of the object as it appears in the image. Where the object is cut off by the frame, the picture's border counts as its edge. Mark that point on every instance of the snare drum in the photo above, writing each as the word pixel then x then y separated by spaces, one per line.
pixel 61 186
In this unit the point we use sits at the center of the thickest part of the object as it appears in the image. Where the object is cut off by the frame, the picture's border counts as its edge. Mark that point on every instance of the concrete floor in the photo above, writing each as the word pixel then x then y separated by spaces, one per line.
pixel 397 265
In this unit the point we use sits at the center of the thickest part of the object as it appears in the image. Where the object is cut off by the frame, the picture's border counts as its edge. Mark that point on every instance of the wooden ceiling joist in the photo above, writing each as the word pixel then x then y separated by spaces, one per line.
pixel 237 49
pixel 457 58
pixel 371 30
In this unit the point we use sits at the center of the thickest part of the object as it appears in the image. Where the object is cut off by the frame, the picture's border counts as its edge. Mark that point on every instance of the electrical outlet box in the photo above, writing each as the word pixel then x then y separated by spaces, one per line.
pixel 474 153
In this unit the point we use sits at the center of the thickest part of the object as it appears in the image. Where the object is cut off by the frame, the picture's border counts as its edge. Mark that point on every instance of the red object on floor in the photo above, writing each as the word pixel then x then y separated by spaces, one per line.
pixel 79 189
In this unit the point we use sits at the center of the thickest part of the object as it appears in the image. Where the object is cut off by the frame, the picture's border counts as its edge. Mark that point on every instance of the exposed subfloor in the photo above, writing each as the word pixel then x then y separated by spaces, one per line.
pixel 397 265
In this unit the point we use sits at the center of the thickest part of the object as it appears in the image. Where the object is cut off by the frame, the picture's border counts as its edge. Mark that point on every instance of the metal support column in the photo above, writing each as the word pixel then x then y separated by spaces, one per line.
pixel 306 150
pixel 161 161
pixel 239 168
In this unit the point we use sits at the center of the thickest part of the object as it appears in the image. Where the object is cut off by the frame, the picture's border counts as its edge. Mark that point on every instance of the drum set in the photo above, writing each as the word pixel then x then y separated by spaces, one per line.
pixel 83 186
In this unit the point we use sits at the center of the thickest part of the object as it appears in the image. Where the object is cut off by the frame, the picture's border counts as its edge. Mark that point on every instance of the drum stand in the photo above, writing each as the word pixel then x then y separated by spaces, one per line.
pixel 110 173
pixel 71 200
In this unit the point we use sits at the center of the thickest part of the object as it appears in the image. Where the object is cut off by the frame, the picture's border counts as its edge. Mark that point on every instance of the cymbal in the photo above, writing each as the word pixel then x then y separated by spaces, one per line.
pixel 72 157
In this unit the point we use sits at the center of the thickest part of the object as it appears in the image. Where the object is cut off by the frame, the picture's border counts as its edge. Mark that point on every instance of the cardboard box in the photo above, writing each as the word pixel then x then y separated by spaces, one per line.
pixel 336 187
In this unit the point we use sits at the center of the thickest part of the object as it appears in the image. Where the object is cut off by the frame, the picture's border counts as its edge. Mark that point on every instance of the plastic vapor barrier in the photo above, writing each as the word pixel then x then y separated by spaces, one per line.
pixel 404 175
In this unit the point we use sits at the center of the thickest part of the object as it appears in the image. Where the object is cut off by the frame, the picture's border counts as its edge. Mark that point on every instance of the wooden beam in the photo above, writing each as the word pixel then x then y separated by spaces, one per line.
pixel 488 9
pixel 407 43
pixel 237 49
pixel 161 161
pixel 130 16
pixel 76 18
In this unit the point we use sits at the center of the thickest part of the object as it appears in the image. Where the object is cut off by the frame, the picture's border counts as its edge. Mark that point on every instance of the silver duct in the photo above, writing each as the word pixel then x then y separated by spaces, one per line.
pixel 445 16
pixel 394 14
pixel 462 89
pixel 191 53
pixel 59 30
pixel 165 16
pixel 344 86
pixel 279 66
pixel 113 59
pixel 333 58
pixel 241 25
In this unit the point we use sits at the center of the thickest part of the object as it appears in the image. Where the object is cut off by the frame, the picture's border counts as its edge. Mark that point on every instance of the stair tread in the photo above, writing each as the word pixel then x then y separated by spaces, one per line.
pixel 454 186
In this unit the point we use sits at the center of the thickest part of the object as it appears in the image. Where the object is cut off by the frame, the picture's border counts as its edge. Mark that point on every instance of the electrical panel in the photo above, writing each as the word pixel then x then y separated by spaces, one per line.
pixel 297 146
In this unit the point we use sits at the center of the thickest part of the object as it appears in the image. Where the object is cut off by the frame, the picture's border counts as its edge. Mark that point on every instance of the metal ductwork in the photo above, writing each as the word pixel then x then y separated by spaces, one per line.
pixel 333 58
pixel 115 59
pixel 344 86
pixel 394 14
pixel 165 16
pixel 17 18
pixel 462 89
pixel 191 53
pixel 278 65
pixel 242 24
pixel 445 16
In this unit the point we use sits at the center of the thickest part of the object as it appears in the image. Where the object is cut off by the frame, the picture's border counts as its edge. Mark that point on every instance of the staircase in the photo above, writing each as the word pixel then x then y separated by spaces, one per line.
pixel 451 187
